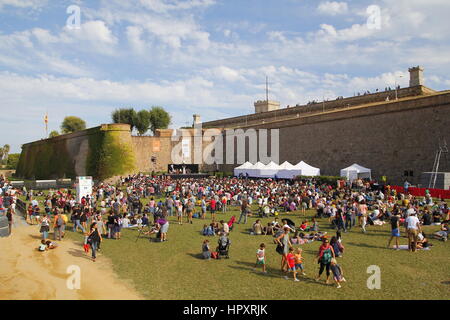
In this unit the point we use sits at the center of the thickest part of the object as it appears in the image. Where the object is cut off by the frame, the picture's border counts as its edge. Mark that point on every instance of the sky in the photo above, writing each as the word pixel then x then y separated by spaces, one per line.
pixel 207 57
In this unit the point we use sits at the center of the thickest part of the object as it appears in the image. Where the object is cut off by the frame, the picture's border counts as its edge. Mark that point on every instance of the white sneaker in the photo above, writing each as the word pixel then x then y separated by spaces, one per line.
pixel 286 277
pixel 296 280
pixel 339 286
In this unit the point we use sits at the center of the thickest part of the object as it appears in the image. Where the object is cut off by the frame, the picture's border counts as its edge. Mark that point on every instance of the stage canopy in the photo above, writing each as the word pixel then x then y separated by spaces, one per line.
pixel 355 171
pixel 269 171
pixel 242 169
pixel 289 171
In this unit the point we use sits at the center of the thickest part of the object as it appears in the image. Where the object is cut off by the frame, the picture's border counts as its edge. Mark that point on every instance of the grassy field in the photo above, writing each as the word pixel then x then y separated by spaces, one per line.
pixel 174 269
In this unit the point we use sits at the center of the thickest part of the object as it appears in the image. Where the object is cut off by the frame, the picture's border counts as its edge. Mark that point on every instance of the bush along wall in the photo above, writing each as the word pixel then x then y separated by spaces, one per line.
pixel 45 160
pixel 110 154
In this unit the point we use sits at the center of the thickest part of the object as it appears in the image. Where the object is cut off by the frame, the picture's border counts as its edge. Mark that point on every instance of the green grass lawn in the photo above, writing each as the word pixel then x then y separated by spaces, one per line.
pixel 174 270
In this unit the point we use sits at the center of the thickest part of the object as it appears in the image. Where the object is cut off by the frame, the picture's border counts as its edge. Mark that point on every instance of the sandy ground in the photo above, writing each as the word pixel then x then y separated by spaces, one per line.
pixel 27 274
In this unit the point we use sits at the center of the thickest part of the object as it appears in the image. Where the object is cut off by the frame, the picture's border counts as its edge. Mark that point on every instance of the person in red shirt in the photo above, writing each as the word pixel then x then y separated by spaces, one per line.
pixel 212 208
pixel 291 263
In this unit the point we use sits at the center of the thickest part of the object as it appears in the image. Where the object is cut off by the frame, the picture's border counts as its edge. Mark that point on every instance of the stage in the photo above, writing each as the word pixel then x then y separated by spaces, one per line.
pixel 176 176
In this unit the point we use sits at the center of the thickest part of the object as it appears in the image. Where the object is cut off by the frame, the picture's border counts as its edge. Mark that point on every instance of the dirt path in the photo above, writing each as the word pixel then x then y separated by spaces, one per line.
pixel 26 273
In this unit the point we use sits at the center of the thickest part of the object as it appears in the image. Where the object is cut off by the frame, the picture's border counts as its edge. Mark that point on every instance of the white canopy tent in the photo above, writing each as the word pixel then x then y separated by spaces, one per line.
pixel 300 169
pixel 307 170
pixel 285 170
pixel 269 170
pixel 254 170
pixel 242 169
pixel 355 171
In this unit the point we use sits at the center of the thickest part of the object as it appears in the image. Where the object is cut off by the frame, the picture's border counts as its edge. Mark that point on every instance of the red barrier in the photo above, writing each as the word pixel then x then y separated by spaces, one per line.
pixel 420 192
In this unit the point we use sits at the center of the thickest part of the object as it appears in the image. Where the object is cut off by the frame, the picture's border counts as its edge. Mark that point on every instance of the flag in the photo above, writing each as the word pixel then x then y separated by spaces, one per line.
pixel 46 124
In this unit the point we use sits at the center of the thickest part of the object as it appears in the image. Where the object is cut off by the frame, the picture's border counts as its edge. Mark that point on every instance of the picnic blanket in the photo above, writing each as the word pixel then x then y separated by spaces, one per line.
pixel 405 247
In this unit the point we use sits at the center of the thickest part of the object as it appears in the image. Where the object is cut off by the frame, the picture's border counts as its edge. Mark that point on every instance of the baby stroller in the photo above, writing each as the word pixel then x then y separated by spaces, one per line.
pixel 224 247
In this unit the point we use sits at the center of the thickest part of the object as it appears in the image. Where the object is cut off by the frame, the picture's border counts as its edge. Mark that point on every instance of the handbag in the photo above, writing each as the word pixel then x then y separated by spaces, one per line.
pixel 280 248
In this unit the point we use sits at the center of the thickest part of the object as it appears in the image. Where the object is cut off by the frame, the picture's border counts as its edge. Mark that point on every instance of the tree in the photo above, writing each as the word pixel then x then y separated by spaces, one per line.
pixel 142 121
pixel 72 124
pixel 127 116
pixel 159 119
pixel 13 160
pixel 53 134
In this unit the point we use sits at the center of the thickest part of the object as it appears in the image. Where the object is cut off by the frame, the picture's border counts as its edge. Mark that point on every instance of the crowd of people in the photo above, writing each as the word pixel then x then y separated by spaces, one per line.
pixel 149 202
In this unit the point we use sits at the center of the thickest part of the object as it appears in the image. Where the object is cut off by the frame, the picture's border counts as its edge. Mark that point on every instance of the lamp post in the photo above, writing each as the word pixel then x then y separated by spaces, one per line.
pixel 396 94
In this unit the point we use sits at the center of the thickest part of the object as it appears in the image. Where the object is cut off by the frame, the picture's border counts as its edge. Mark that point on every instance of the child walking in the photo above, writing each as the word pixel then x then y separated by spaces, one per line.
pixel 261 257
pixel 338 273
pixel 299 261
pixel 291 263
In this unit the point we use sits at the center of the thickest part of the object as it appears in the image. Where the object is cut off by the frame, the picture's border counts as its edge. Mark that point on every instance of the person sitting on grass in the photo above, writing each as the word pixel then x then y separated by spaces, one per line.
pixel 443 233
pixel 208 230
pixel 268 230
pixel 304 226
pixel 206 252
pixel 422 241
pixel 257 228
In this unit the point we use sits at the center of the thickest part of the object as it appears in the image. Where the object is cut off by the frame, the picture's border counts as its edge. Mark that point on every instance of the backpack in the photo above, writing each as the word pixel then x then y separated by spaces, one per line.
pixel 326 256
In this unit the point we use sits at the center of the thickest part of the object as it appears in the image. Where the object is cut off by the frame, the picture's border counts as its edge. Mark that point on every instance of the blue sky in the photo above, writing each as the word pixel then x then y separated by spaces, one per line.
pixel 205 56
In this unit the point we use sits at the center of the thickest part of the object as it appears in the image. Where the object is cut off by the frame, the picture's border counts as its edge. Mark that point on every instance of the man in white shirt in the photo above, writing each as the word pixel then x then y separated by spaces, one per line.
pixel 413 229
pixel 410 210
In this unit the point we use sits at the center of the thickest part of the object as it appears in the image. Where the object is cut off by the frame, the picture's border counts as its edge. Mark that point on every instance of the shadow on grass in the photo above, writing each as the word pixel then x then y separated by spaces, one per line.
pixel 272 272
pixel 79 254
pixel 365 245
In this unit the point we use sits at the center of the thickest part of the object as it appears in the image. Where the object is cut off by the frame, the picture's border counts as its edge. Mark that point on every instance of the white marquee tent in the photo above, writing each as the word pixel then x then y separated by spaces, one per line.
pixel 285 170
pixel 306 169
pixel 242 169
pixel 269 170
pixel 300 169
pixel 356 171
pixel 254 171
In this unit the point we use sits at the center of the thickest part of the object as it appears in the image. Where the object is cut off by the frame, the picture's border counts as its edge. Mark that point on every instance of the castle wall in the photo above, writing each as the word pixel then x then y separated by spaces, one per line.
pixel 389 138
pixel 100 152
pixel 158 146
pixel 319 107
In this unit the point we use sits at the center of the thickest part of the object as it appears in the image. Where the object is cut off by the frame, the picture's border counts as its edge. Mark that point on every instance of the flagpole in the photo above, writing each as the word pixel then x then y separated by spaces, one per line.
pixel 46 125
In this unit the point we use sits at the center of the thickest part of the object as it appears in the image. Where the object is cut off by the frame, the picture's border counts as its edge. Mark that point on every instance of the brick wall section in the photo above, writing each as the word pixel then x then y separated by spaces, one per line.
pixel 292 112
pixel 389 138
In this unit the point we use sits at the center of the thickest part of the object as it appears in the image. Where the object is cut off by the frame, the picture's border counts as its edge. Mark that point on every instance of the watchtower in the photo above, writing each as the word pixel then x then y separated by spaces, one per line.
pixel 416 76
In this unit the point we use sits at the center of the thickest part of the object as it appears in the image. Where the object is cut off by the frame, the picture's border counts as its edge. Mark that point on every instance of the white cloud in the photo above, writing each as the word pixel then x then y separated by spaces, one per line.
pixel 332 8
pixel 34 4
pixel 162 6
